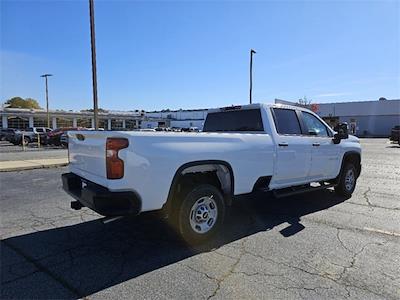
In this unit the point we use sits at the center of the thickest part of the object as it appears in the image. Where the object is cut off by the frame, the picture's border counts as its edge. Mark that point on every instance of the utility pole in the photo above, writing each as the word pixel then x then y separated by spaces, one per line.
pixel 47 98
pixel 251 72
pixel 94 69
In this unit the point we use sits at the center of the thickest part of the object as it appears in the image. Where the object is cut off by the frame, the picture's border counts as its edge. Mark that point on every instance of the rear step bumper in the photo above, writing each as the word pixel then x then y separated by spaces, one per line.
pixel 99 198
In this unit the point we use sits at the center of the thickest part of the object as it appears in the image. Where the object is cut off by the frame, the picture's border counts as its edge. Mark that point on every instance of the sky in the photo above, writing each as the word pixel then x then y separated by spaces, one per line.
pixel 184 54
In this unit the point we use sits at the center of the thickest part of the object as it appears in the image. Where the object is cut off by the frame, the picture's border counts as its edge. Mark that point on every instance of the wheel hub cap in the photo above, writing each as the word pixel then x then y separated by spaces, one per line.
pixel 203 214
pixel 349 180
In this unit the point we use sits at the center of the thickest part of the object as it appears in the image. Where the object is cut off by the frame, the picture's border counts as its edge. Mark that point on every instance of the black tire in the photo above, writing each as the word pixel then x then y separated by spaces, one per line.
pixel 190 207
pixel 347 180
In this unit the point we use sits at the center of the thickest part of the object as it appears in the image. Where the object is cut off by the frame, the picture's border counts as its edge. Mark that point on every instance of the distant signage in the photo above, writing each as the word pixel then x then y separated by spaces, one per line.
pixel 314 107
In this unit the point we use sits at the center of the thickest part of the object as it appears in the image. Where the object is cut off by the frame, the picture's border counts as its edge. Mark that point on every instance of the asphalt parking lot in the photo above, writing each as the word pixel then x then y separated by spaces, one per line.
pixel 10 152
pixel 313 246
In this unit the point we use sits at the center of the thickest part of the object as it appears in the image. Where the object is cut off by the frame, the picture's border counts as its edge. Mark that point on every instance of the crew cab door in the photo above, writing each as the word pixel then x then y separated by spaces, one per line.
pixel 324 154
pixel 293 152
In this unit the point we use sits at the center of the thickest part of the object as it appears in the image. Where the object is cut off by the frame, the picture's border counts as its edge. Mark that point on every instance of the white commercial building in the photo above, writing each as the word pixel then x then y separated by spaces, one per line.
pixel 365 118
pixel 21 118
pixel 177 118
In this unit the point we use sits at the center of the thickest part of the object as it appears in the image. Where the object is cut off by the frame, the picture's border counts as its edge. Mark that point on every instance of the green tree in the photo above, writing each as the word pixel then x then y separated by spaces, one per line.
pixel 18 102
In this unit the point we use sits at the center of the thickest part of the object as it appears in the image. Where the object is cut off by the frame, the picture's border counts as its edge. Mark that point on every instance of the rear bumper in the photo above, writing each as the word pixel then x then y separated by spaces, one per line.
pixel 99 198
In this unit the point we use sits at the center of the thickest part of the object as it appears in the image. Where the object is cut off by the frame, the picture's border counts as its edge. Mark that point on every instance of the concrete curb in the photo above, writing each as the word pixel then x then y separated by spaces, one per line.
pixel 11 166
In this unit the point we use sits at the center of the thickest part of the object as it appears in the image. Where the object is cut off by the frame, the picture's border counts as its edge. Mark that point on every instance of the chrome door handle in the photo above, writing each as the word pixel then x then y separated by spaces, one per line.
pixel 283 144
pixel 316 144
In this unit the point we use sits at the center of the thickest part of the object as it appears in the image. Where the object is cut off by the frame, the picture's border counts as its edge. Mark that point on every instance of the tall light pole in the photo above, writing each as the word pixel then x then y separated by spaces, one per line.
pixel 251 72
pixel 94 72
pixel 47 98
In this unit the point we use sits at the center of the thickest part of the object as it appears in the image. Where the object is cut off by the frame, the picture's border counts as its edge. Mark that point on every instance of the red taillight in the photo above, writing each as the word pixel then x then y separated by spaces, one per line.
pixel 115 165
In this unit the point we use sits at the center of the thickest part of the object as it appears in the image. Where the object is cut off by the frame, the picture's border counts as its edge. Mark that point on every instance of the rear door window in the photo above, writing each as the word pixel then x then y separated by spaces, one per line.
pixel 286 121
pixel 236 120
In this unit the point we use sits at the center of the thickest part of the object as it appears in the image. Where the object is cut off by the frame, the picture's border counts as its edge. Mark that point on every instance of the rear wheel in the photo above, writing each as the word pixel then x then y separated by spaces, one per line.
pixel 201 214
pixel 347 180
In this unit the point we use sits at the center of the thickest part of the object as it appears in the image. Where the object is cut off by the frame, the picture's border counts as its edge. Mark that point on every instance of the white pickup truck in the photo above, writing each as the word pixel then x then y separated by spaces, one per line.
pixel 194 177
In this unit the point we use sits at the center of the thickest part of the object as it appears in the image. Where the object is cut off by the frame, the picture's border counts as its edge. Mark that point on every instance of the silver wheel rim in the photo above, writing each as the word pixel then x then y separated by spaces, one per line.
pixel 203 214
pixel 349 179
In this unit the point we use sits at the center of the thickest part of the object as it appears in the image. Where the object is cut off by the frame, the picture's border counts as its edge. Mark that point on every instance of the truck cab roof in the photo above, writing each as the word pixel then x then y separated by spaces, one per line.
pixel 256 106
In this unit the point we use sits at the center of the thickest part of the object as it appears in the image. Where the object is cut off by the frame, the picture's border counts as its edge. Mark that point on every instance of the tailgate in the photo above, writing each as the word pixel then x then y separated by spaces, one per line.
pixel 87 151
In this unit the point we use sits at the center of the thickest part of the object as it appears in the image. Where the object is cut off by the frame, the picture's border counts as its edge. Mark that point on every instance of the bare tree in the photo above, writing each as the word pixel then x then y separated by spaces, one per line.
pixel 307 103
pixel 304 102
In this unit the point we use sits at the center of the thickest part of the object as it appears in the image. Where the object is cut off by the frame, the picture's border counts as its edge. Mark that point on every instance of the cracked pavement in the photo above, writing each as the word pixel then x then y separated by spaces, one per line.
pixel 311 246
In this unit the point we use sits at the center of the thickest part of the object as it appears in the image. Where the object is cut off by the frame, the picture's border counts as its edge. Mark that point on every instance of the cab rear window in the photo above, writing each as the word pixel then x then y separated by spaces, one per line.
pixel 232 121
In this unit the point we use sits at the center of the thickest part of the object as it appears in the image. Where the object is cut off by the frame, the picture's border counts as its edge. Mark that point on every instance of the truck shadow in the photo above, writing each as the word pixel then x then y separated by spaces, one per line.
pixel 89 257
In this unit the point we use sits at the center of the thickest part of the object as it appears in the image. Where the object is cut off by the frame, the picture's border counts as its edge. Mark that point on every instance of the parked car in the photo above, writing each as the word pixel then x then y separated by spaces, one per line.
pixel 190 129
pixel 194 177
pixel 64 139
pixel 162 129
pixel 64 135
pixel 395 134
pixel 30 135
pixel 54 137
pixel 7 134
pixel 2 134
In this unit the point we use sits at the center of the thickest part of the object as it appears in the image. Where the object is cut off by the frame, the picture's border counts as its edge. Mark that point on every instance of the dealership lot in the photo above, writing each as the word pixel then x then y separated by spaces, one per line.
pixel 315 245
pixel 10 152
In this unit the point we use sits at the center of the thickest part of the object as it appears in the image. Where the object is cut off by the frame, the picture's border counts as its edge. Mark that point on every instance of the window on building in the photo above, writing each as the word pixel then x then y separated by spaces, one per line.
pixel 84 122
pixel 116 124
pixel 17 122
pixel 103 123
pixel 286 121
pixel 39 122
pixel 64 122
pixel 130 124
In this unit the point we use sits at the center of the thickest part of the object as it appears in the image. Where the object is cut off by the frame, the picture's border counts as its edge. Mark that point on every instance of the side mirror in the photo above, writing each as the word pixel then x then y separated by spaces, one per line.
pixel 342 132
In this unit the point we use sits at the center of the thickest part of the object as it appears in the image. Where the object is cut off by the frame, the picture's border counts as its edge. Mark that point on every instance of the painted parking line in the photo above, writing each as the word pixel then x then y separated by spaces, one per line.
pixel 392 233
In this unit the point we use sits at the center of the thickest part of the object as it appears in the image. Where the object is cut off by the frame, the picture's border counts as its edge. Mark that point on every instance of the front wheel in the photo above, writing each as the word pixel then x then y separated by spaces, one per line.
pixel 347 180
pixel 201 214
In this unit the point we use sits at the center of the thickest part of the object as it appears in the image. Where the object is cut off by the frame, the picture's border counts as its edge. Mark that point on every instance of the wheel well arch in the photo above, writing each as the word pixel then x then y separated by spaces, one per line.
pixel 355 158
pixel 216 172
